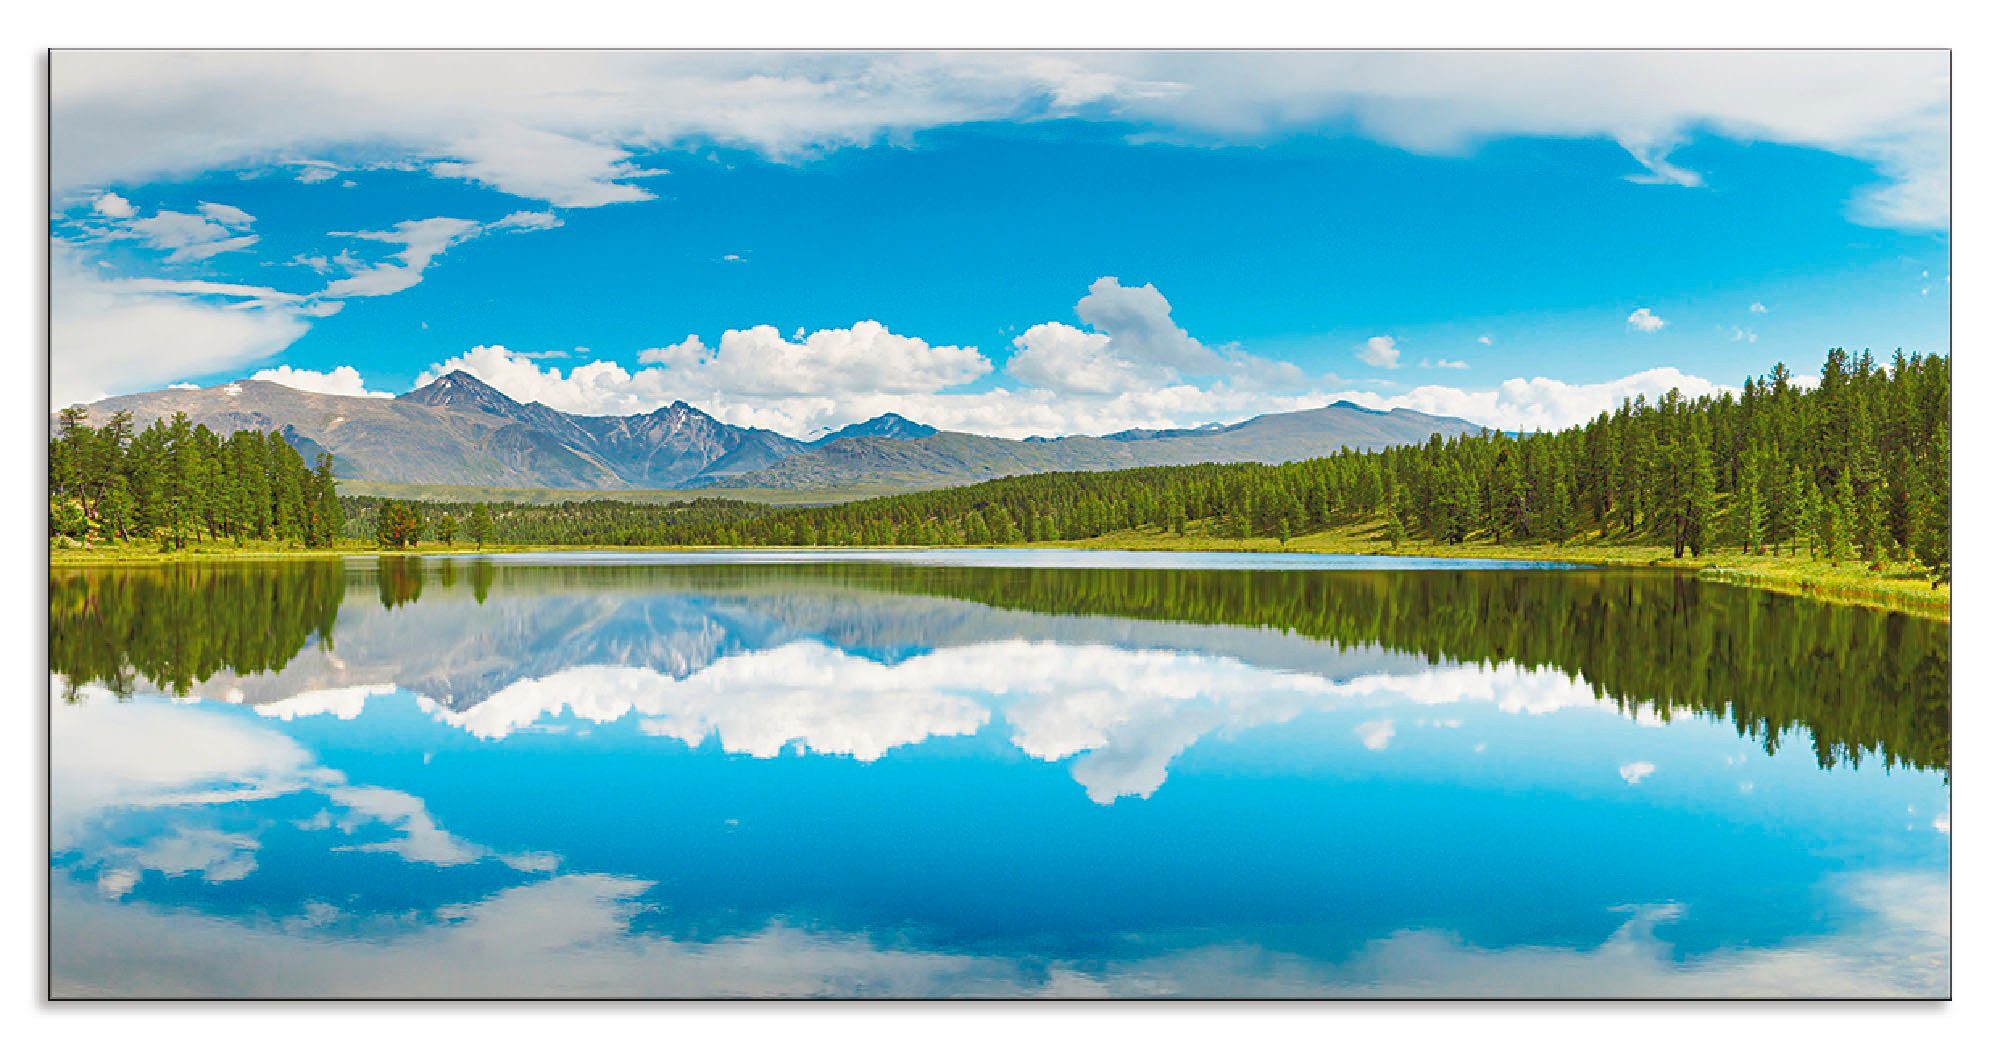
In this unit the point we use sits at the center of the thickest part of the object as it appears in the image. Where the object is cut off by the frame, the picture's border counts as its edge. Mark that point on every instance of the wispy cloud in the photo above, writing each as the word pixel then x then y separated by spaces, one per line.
pixel 569 128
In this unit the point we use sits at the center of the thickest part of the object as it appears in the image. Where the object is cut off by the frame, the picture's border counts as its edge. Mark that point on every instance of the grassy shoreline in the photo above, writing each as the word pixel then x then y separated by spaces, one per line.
pixel 1898 587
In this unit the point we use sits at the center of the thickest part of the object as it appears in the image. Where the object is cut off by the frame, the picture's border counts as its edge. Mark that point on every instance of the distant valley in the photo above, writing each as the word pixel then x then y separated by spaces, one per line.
pixel 458 430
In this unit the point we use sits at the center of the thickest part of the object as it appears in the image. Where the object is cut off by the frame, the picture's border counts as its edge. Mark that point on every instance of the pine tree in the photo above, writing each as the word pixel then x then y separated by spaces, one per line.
pixel 479 527
pixel 1933 525
pixel 1747 506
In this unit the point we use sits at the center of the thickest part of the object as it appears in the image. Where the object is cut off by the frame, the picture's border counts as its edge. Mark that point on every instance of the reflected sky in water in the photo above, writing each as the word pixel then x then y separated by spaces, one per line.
pixel 566 778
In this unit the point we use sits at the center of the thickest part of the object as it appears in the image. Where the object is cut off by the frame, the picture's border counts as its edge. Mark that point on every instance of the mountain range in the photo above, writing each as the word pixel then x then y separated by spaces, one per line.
pixel 459 430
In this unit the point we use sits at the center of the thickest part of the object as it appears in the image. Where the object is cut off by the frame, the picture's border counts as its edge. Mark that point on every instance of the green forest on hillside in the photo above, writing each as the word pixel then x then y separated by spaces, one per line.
pixel 1853 468
pixel 173 483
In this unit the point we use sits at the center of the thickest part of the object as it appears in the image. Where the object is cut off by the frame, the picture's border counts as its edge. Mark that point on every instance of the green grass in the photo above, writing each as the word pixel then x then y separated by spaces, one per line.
pixel 1898 586
pixel 465 493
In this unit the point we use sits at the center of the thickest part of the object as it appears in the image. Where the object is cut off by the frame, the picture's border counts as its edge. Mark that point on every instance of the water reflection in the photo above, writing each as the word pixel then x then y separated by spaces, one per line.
pixel 1860 683
pixel 880 778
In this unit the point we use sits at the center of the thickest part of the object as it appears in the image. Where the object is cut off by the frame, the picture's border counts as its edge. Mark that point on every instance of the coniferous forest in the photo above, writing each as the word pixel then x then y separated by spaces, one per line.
pixel 1852 466
pixel 172 483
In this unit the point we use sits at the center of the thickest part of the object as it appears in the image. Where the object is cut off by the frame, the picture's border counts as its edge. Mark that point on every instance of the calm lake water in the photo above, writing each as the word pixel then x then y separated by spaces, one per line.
pixel 991 774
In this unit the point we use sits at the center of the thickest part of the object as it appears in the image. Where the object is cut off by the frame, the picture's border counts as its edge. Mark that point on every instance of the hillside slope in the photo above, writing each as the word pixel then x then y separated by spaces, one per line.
pixel 960 458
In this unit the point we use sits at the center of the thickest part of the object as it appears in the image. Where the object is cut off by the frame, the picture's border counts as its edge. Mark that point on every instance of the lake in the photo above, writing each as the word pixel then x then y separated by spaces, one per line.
pixel 988 773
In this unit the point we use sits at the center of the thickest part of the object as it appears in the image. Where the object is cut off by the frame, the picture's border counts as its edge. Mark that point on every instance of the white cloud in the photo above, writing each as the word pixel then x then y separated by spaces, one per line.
pixel 1643 320
pixel 113 206
pixel 523 221
pixel 1133 345
pixel 580 935
pixel 422 241
pixel 545 165
pixel 113 336
pixel 690 371
pixel 747 393
pixel 227 214
pixel 563 127
pixel 1538 403
pixel 1634 771
pixel 823 699
pixel 1127 375
pixel 1120 716
pixel 1484 340
pixel 418 838
pixel 1445 363
pixel 109 756
pixel 1375 735
pixel 342 380
pixel 1380 352
pixel 1053 355
pixel 1741 334
pixel 1758 307
pixel 1659 172
pixel 188 237
pixel 865 358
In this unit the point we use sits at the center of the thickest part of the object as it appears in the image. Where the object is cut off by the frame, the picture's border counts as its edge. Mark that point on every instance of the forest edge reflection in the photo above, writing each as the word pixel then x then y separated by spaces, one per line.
pixel 1858 682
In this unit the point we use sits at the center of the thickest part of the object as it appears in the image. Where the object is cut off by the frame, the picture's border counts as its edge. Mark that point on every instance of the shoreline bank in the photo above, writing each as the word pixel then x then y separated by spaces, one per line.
pixel 1897 588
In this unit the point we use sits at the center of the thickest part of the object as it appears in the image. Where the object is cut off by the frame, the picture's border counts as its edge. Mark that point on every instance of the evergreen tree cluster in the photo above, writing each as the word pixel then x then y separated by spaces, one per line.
pixel 401 523
pixel 173 482
pixel 1857 466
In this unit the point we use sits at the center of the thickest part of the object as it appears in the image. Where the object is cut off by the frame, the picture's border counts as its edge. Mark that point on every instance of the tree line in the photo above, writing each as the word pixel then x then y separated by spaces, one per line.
pixel 402 523
pixel 174 482
pixel 1855 466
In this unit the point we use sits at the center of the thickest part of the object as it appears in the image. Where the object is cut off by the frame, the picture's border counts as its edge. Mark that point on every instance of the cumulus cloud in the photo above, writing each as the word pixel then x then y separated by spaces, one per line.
pixel 542 127
pixel 1758 307
pixel 1644 320
pixel 111 336
pixel 342 380
pixel 1380 352
pixel 749 393
pixel 691 371
pixel 1539 403
pixel 864 358
pixel 1133 344
pixel 113 206
pixel 1129 374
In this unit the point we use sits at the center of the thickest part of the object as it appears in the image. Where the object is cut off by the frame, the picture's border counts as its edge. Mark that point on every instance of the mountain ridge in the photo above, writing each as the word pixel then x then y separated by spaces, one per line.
pixel 458 429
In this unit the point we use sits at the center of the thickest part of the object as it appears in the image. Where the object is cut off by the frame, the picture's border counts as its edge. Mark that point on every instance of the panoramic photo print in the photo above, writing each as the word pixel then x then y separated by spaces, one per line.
pixel 999 524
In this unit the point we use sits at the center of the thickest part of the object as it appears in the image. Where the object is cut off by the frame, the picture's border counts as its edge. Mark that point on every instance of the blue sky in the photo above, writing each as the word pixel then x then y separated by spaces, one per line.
pixel 1518 240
